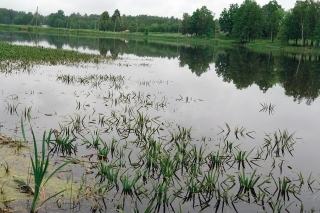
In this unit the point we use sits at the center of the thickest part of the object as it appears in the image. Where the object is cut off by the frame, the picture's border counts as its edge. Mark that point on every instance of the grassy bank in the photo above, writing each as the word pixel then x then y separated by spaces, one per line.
pixel 168 37
pixel 265 45
pixel 260 45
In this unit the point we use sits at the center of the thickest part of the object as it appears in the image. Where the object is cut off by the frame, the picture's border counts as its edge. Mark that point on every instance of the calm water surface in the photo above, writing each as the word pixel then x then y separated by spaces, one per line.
pixel 204 87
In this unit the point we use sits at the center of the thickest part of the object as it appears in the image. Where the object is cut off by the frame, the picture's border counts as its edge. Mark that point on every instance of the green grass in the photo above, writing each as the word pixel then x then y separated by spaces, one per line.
pixel 15 58
pixel 110 172
pixel 129 186
pixel 215 160
pixel 40 164
pixel 249 181
pixel 168 168
pixel 155 176
pixel 281 143
pixel 64 145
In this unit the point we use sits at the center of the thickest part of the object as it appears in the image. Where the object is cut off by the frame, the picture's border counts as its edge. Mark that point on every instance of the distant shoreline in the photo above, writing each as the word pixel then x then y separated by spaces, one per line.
pixel 260 45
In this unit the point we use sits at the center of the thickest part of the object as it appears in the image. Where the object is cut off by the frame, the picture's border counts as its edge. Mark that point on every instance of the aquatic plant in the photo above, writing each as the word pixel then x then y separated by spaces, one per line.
pixel 281 143
pixel 64 145
pixel 168 168
pixel 129 186
pixel 247 182
pixel 267 108
pixel 110 172
pixel 40 164
pixel 12 108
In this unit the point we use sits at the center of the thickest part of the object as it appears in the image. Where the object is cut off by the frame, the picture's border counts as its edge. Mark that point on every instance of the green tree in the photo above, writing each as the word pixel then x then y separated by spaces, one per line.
pixel 274 21
pixel 103 20
pixel 104 16
pixel 301 22
pixel 249 21
pixel 202 22
pixel 313 17
pixel 124 22
pixel 154 27
pixel 227 18
pixel 1 18
pixel 283 34
pixel 289 29
pixel 185 27
pixel 116 18
pixel 300 12
pixel 23 19
pixel 56 19
pixel 273 14
pixel 316 34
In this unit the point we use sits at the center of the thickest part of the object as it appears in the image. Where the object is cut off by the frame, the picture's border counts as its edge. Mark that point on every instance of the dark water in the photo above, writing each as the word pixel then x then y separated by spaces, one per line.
pixel 204 86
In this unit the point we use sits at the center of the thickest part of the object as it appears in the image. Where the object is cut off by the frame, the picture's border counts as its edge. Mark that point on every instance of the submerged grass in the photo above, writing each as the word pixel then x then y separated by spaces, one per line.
pixel 161 171
pixel 281 142
pixel 14 57
pixel 136 161
pixel 156 164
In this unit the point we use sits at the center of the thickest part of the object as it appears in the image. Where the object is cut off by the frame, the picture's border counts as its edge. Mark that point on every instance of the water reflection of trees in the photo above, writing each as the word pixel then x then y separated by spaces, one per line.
pixel 297 73
pixel 198 59
pixel 300 76
pixel 240 66
pixel 244 68
pixel 138 48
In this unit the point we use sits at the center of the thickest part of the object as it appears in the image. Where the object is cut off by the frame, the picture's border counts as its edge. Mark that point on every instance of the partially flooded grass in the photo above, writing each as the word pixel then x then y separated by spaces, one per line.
pixel 137 161
pixel 161 172
pixel 93 80
pixel 281 142
pixel 16 178
pixel 39 167
pixel 14 58
pixel 64 145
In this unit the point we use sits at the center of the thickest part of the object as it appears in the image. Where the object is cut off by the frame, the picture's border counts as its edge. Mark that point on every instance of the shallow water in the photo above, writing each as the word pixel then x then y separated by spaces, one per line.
pixel 203 87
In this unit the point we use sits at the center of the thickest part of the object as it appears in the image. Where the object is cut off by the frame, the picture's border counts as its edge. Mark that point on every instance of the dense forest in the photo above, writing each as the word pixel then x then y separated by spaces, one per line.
pixel 249 21
pixel 117 22
pixel 246 22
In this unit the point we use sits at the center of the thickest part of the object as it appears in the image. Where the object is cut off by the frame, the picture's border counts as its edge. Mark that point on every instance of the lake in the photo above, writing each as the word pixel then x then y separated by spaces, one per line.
pixel 225 95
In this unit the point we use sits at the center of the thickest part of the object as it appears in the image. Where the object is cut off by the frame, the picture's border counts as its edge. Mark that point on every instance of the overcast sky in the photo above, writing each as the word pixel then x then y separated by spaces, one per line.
pixel 163 8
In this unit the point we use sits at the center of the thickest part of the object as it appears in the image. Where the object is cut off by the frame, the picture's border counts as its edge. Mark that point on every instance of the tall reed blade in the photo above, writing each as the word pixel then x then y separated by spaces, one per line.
pixel 40 165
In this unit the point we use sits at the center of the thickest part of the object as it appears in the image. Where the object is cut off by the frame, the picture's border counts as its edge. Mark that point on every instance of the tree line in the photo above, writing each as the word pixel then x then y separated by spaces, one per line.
pixel 9 16
pixel 246 22
pixel 140 23
pixel 249 21
pixel 115 22
pixel 104 22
